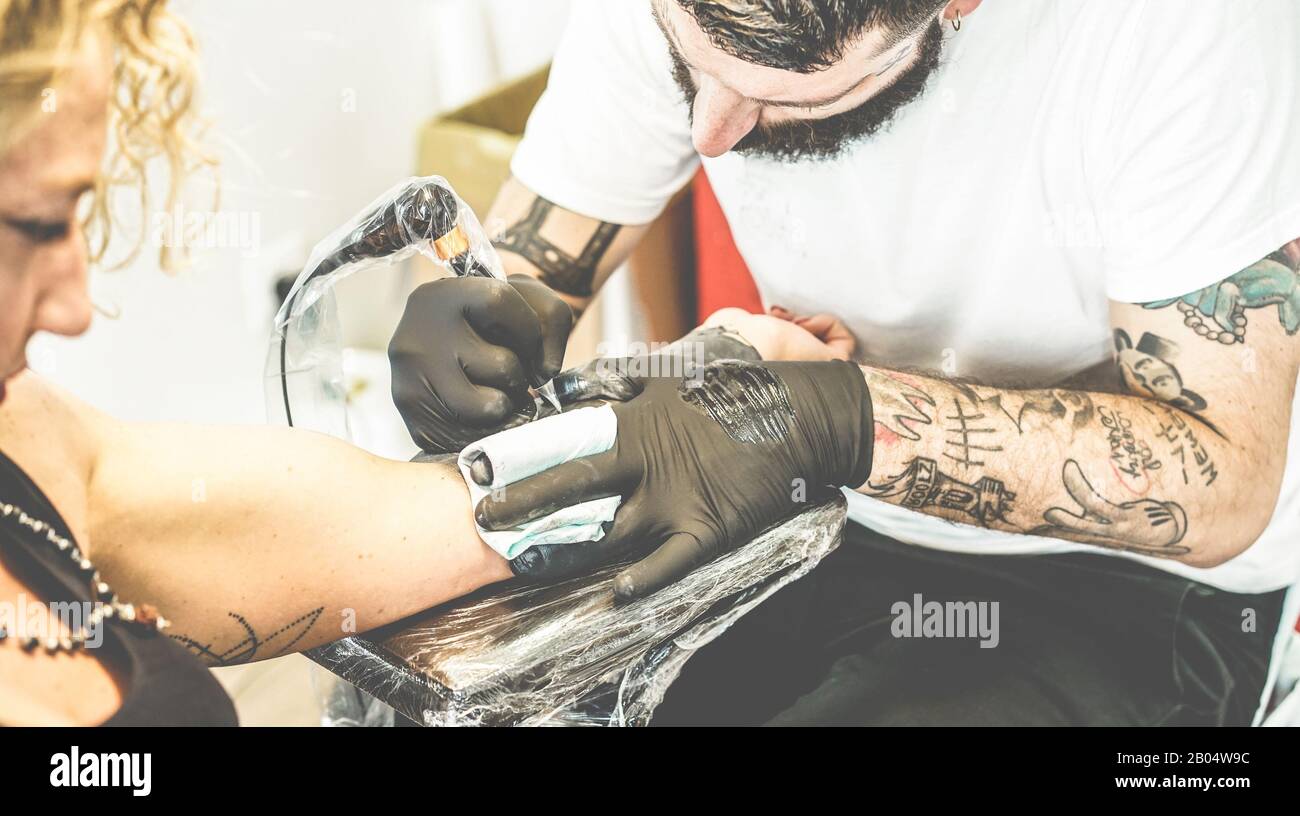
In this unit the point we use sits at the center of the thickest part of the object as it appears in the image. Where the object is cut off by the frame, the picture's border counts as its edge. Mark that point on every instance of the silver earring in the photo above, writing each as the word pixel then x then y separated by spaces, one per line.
pixel 956 21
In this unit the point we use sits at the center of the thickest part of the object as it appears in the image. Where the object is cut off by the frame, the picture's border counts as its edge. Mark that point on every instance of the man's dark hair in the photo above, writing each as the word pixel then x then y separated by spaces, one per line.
pixel 802 35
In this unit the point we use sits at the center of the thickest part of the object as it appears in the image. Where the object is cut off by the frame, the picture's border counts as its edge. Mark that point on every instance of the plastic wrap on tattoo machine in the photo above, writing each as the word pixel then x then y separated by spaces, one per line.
pixel 417 216
pixel 565 654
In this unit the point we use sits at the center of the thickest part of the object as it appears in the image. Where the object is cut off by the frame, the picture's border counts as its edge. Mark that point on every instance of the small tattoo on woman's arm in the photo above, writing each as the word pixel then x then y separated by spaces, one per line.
pixel 252 646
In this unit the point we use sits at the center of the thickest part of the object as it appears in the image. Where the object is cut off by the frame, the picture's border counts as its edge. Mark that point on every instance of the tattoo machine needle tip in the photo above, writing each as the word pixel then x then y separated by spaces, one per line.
pixel 547 391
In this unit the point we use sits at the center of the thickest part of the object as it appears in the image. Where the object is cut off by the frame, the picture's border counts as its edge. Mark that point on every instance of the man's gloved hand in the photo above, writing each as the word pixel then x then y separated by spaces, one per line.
pixel 466 352
pixel 704 463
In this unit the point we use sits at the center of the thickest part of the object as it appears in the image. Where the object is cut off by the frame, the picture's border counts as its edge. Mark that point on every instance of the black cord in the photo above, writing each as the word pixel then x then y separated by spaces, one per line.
pixel 284 343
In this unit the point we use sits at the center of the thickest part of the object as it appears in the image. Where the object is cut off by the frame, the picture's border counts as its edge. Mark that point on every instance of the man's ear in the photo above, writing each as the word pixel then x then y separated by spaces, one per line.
pixel 965 7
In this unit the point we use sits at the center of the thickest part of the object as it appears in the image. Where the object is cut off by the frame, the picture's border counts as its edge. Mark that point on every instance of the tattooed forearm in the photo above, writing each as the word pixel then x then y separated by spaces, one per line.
pixel 564 271
pixel 1106 470
pixel 247 646
pixel 1185 462
pixel 1219 311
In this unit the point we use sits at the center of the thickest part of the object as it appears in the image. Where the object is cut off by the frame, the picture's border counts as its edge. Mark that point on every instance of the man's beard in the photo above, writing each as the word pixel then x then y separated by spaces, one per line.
pixel 822 139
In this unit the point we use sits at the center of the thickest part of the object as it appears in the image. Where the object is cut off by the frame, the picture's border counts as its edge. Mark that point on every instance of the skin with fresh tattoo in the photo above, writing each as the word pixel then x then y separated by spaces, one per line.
pixel 1185 465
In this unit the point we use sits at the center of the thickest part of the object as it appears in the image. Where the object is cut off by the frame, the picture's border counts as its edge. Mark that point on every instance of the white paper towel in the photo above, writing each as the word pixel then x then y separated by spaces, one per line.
pixel 529 449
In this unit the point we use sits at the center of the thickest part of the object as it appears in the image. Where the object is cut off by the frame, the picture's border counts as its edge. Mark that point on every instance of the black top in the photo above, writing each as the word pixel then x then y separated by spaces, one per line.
pixel 166 685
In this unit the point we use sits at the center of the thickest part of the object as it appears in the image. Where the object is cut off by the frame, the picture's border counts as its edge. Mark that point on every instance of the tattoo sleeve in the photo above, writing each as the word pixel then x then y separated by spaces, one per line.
pixel 568 270
pixel 1184 464
pixel 1102 469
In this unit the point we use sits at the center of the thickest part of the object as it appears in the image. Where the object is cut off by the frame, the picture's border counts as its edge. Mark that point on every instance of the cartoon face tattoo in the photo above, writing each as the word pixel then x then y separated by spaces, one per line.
pixel 1148 370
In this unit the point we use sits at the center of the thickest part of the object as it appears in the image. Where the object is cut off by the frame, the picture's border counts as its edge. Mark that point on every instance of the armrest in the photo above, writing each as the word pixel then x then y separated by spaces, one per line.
pixel 565 654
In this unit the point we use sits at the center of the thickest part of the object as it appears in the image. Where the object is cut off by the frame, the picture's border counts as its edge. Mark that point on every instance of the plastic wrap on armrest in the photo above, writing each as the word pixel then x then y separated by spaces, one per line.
pixel 565 654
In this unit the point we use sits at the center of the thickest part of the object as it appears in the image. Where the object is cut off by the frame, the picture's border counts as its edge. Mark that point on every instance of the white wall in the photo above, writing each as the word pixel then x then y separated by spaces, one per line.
pixel 315 105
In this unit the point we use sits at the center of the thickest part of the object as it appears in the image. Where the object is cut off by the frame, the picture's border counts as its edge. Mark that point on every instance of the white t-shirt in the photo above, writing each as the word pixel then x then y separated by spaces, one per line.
pixel 1066 152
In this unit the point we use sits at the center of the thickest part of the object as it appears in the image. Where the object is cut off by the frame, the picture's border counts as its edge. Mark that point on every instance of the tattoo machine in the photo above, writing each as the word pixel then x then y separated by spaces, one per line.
pixel 419 215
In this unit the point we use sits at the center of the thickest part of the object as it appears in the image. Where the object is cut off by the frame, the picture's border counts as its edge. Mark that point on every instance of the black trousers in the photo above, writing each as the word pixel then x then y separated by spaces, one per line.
pixel 1082 639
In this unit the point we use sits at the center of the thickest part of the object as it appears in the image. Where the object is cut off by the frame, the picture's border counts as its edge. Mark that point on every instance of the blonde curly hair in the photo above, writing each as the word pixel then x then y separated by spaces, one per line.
pixel 152 110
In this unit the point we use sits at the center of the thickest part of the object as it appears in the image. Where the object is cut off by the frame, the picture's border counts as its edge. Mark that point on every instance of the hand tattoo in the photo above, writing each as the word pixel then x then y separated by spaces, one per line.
pixel 1144 526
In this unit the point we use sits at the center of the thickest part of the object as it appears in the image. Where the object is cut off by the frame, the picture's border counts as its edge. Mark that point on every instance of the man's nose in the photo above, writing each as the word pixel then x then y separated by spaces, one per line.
pixel 722 118
pixel 64 306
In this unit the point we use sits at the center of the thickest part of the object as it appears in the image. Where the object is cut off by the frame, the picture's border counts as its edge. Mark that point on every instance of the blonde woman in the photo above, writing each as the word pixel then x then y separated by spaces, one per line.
pixel 297 533
pixel 283 543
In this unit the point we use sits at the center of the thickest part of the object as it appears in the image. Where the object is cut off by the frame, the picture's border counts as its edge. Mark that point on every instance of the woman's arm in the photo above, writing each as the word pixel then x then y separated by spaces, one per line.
pixel 255 541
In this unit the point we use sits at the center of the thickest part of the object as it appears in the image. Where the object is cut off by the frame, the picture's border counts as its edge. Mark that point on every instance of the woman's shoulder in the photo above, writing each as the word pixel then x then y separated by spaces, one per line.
pixel 52 436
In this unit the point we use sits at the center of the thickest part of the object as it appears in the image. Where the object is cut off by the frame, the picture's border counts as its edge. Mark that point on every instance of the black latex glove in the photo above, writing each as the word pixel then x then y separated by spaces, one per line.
pixel 703 463
pixel 466 352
